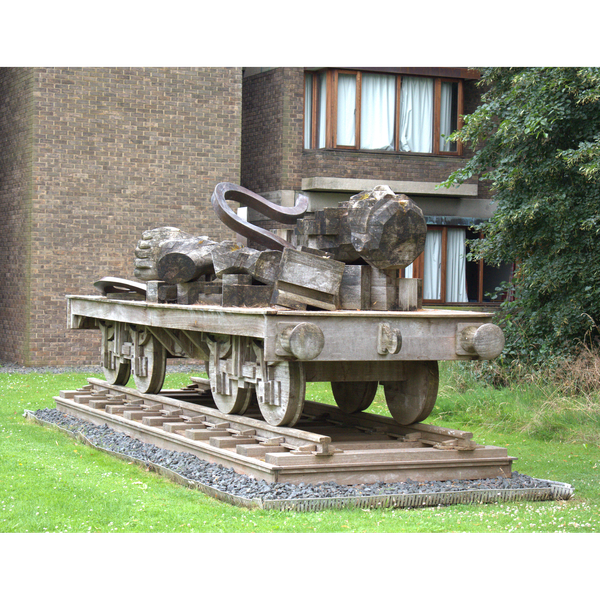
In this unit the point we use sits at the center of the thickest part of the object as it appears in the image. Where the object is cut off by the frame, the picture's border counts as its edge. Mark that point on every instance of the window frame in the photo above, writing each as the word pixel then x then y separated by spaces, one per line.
pixel 331 103
pixel 419 272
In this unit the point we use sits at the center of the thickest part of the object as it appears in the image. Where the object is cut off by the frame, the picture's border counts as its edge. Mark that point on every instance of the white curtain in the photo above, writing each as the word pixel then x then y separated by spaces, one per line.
pixel 322 110
pixel 456 281
pixel 446 116
pixel 308 111
pixel 377 111
pixel 432 280
pixel 346 100
pixel 416 114
pixel 456 275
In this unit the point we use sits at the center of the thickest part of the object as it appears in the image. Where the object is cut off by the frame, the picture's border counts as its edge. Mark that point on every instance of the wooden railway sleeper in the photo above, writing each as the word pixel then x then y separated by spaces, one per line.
pixel 131 403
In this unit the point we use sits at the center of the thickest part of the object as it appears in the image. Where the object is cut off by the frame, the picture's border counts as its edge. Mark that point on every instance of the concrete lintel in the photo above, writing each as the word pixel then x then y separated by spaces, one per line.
pixel 342 184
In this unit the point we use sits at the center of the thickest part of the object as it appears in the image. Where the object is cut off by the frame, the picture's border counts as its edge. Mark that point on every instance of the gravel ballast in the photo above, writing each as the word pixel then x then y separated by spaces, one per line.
pixel 226 481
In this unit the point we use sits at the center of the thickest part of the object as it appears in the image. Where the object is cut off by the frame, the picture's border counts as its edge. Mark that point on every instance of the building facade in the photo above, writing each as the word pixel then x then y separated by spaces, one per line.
pixel 330 133
pixel 90 159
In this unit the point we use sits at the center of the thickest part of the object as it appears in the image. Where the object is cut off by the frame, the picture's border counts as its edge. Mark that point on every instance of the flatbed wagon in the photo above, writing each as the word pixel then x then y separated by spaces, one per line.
pixel 326 304
pixel 267 355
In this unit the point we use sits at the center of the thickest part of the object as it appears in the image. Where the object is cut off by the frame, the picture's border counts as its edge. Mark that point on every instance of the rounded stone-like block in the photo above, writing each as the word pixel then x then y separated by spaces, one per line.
pixel 487 341
pixel 305 341
pixel 387 230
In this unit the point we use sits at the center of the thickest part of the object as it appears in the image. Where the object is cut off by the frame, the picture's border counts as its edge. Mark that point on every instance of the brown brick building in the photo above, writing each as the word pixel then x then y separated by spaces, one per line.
pixel 330 133
pixel 92 157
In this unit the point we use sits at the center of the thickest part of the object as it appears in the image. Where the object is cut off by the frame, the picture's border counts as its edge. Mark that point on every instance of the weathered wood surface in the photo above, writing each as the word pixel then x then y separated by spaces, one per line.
pixel 261 265
pixel 486 341
pixel 306 279
pixel 412 400
pixel 355 288
pixel 349 335
pixel 385 231
pixel 181 261
pixel 147 250
pixel 388 230
pixel 280 454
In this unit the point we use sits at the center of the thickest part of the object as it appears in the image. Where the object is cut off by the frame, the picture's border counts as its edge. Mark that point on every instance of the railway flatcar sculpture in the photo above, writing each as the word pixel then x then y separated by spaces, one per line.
pixel 325 304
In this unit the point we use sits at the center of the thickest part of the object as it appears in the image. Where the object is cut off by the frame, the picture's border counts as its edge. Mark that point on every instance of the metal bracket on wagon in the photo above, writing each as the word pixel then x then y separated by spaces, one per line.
pixel 389 340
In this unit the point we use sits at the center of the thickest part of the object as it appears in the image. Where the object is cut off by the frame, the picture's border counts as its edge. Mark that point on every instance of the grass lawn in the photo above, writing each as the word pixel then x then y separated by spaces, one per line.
pixel 51 483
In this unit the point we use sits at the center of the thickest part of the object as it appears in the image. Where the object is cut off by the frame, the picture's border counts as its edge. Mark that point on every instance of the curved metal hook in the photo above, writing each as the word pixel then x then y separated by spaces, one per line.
pixel 230 191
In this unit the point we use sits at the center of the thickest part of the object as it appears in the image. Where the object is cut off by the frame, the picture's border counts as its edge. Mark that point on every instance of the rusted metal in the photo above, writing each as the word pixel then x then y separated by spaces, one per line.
pixel 230 191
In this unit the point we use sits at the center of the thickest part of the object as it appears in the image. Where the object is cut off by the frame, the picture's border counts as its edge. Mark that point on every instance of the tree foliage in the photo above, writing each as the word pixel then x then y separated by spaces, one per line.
pixel 536 138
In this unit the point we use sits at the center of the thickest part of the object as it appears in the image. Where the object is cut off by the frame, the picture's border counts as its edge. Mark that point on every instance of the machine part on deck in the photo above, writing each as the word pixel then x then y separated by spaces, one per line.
pixel 116 285
pixel 354 396
pixel 412 400
pixel 230 191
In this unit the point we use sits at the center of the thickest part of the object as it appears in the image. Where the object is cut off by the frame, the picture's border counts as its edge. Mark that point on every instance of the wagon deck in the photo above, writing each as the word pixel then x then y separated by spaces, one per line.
pixel 270 354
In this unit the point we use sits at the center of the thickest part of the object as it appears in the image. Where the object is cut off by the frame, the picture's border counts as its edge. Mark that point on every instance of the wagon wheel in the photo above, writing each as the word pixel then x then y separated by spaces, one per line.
pixel 150 365
pixel 229 396
pixel 281 396
pixel 412 400
pixel 354 396
pixel 116 370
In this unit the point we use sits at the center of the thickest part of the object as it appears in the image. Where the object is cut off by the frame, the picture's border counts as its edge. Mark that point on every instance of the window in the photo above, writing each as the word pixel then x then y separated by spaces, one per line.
pixel 363 110
pixel 448 278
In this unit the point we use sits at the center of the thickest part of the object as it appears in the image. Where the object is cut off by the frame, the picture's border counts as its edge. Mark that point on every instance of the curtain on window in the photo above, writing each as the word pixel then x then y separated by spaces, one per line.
pixel 321 110
pixel 456 279
pixel 416 114
pixel 346 100
pixel 447 122
pixel 322 99
pixel 456 276
pixel 307 110
pixel 377 111
pixel 432 279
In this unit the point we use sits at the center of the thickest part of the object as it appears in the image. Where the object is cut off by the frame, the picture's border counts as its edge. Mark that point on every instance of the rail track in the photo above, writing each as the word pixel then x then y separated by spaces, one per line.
pixel 326 444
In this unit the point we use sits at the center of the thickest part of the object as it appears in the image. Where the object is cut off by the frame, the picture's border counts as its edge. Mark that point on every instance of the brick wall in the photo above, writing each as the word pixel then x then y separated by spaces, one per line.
pixel 272 125
pixel 119 151
pixel 16 156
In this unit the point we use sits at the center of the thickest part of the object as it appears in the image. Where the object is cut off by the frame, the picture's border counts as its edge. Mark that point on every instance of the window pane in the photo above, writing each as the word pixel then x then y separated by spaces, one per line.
pixel 321 101
pixel 346 109
pixel 308 80
pixel 432 268
pixel 456 282
pixel 377 111
pixel 416 114
pixel 448 114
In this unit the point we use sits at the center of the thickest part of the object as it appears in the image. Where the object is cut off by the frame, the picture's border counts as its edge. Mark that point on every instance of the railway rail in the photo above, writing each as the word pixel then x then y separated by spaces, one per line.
pixel 326 443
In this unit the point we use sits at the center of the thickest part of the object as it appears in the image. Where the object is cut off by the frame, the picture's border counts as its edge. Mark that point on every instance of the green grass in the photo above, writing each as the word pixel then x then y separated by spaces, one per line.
pixel 50 482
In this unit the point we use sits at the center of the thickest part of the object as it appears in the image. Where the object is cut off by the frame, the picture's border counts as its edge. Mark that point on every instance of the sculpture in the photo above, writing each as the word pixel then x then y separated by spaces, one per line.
pixel 376 229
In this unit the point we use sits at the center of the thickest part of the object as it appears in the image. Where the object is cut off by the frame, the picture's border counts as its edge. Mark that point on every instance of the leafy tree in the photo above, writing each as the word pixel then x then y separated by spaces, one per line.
pixel 536 138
